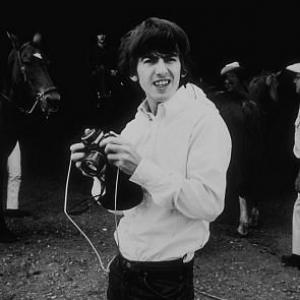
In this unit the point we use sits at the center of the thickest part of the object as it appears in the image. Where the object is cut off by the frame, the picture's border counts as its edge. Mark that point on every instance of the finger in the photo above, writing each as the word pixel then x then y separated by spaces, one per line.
pixel 112 139
pixel 108 140
pixel 114 160
pixel 114 148
pixel 77 147
pixel 112 133
pixel 113 157
pixel 77 156
pixel 78 164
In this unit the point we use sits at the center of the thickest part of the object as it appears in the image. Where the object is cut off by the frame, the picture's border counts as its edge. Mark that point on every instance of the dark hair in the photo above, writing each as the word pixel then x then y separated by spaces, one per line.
pixel 153 35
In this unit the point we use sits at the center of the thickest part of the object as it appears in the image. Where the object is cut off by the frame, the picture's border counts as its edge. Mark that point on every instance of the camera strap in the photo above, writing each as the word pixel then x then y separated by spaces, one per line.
pixel 105 269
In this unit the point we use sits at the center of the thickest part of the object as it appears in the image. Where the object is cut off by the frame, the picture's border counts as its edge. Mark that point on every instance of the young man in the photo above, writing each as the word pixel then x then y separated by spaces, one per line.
pixel 177 148
pixel 293 260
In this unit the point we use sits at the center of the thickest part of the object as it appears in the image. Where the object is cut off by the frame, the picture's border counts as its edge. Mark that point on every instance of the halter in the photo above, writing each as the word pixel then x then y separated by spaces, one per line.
pixel 39 96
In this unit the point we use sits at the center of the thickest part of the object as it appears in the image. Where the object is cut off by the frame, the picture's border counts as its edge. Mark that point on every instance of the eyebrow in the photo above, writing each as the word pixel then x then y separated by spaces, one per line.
pixel 158 54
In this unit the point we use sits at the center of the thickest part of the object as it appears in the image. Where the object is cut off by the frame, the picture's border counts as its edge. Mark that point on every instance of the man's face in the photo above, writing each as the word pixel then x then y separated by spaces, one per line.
pixel 159 75
pixel 231 81
pixel 297 83
pixel 101 39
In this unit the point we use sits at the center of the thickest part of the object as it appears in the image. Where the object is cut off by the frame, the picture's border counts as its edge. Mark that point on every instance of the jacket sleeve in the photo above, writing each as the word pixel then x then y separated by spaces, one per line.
pixel 200 193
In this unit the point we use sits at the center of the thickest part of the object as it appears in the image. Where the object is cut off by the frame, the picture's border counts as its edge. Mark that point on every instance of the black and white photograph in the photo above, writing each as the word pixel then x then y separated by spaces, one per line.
pixel 150 151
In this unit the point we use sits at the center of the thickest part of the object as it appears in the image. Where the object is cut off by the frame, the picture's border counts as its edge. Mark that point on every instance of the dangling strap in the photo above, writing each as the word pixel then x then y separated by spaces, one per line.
pixel 105 269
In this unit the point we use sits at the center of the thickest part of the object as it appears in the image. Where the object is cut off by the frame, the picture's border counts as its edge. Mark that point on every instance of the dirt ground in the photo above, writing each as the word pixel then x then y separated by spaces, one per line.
pixel 52 260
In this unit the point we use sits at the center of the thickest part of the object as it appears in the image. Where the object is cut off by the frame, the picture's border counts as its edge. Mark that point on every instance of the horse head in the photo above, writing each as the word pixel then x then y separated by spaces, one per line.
pixel 30 86
pixel 273 83
pixel 263 89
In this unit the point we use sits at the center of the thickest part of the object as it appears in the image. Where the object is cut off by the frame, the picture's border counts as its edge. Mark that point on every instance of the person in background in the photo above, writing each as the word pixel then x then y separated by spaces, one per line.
pixel 293 260
pixel 13 180
pixel 242 117
pixel 177 149
pixel 101 68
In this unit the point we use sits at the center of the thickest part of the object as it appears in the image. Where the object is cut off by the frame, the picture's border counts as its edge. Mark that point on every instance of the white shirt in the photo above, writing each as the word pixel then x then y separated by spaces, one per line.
pixel 185 153
pixel 297 136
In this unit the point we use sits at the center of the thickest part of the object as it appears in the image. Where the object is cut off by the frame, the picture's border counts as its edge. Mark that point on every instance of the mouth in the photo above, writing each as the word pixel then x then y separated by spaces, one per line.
pixel 162 83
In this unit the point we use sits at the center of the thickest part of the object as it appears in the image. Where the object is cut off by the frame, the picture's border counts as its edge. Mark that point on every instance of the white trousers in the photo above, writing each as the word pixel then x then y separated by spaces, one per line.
pixel 14 178
pixel 296 227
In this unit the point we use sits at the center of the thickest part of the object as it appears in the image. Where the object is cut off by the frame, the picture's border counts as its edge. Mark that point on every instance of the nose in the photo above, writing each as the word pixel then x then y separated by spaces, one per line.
pixel 53 99
pixel 161 67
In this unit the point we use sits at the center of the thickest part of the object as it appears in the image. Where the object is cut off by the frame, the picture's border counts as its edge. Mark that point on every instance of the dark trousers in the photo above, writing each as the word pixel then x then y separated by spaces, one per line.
pixel 171 280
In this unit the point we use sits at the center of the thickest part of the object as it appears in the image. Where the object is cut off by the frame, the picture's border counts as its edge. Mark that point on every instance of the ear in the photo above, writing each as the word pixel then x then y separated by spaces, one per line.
pixel 183 72
pixel 14 40
pixel 134 78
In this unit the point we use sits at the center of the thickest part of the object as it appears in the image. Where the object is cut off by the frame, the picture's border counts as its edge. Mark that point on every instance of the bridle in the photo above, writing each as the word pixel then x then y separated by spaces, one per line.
pixel 40 97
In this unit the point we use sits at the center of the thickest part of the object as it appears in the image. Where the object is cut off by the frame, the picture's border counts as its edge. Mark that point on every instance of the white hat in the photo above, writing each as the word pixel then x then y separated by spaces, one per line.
pixel 230 67
pixel 294 68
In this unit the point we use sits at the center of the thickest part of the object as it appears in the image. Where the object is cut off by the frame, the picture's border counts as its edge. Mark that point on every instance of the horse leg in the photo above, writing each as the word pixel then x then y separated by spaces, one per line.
pixel 254 213
pixel 244 218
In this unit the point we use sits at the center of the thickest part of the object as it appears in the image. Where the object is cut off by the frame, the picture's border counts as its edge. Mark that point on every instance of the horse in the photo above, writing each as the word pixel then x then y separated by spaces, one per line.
pixel 274 93
pixel 273 110
pixel 242 117
pixel 27 88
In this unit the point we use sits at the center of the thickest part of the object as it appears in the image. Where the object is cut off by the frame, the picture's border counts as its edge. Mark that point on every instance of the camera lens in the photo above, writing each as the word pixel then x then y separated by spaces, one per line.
pixel 95 160
pixel 94 163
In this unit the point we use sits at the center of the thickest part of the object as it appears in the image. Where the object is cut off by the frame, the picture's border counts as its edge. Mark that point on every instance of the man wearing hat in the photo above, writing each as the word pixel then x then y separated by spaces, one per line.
pixel 243 120
pixel 293 260
pixel 235 79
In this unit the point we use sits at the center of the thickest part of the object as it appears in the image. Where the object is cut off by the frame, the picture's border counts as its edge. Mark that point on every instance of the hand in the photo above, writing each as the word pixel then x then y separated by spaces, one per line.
pixel 78 153
pixel 121 153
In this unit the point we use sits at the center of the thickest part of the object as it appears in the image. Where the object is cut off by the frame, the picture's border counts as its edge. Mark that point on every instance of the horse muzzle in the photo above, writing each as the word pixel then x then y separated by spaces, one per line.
pixel 50 101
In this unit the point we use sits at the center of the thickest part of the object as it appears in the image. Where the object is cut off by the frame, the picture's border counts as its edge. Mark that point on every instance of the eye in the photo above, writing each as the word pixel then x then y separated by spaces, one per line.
pixel 149 60
pixel 172 58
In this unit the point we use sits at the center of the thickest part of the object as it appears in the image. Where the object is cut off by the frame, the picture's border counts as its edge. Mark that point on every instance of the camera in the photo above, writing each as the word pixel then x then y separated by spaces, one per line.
pixel 96 164
pixel 95 161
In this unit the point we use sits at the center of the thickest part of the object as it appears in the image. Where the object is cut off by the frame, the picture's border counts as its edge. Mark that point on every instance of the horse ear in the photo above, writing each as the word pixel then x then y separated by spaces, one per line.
pixel 14 40
pixel 134 78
